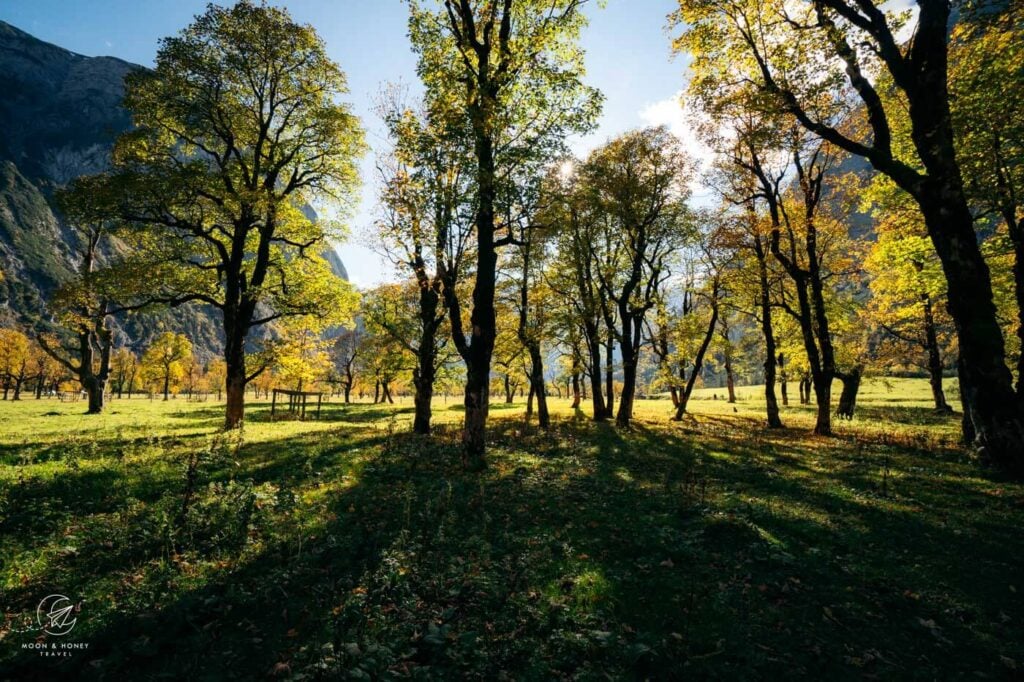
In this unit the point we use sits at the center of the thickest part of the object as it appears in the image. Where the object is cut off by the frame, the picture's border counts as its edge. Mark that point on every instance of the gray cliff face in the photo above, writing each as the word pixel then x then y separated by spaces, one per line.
pixel 334 260
pixel 60 113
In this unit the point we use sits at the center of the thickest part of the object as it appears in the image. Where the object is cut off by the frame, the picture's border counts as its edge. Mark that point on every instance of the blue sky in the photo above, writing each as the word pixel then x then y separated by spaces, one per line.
pixel 628 58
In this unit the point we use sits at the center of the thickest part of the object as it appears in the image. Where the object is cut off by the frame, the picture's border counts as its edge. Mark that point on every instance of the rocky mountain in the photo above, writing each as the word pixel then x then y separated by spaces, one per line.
pixel 60 113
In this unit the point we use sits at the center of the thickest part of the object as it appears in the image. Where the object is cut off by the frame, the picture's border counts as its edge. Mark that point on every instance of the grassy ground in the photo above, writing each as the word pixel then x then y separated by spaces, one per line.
pixel 348 548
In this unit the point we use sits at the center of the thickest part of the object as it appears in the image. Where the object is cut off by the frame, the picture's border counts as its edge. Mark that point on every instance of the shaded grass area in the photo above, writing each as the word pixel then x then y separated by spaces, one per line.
pixel 346 548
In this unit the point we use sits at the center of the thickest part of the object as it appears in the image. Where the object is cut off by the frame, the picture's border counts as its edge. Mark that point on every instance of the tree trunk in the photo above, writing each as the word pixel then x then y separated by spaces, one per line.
pixel 848 396
pixel 966 426
pixel 482 320
pixel 995 410
pixel 698 362
pixel 807 281
pixel 626 397
pixel 934 357
pixel 529 403
pixel 609 376
pixel 476 402
pixel 94 388
pixel 768 332
pixel 423 375
pixel 630 347
pixel 827 369
pixel 1016 231
pixel 594 370
pixel 575 391
pixel 821 371
pixel 167 384
pixel 823 398
pixel 423 381
pixel 730 381
pixel 235 381
pixel 783 384
pixel 537 385
pixel 771 403
pixel 93 379
pixel 817 344
pixel 508 391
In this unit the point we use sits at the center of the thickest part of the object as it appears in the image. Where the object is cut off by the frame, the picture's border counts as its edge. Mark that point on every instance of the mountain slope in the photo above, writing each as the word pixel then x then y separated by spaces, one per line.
pixel 59 115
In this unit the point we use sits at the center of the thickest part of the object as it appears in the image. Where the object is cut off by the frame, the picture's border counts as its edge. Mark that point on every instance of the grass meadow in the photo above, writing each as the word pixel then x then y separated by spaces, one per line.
pixel 347 548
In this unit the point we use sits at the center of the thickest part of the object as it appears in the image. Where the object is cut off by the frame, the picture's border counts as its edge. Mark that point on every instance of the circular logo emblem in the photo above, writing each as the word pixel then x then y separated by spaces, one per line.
pixel 55 614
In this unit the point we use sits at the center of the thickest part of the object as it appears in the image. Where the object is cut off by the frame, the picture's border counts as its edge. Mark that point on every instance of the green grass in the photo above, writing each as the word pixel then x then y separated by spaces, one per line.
pixel 347 548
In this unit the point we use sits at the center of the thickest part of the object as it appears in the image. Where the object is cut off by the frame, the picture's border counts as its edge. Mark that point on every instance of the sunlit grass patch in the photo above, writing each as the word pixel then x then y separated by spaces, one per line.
pixel 348 544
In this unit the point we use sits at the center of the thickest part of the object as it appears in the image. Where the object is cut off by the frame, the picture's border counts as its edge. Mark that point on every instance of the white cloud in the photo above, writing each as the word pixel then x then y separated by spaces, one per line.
pixel 673 114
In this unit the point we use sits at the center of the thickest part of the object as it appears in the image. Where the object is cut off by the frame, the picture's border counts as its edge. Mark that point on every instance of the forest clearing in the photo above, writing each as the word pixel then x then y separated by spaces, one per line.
pixel 512 339
pixel 709 548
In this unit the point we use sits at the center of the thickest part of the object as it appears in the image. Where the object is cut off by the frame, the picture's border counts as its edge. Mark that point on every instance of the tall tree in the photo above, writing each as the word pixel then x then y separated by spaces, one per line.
pixel 45 370
pixel 738 137
pixel 216 372
pixel 986 87
pixel 659 333
pixel 784 44
pixel 300 353
pixel 124 366
pixel 576 282
pixel 907 289
pixel 165 359
pixel 237 129
pixel 728 347
pixel 15 356
pixel 383 357
pixel 509 356
pixel 795 244
pixel 534 300
pixel 344 354
pixel 695 333
pixel 424 227
pixel 638 182
pixel 765 151
pixel 395 312
pixel 84 307
pixel 512 70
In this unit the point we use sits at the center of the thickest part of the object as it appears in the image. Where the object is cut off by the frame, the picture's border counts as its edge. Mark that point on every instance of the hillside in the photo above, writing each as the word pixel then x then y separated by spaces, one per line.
pixel 60 114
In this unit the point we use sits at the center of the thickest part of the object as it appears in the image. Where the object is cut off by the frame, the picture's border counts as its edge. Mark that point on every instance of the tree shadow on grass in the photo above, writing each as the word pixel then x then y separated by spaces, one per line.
pixel 582 551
